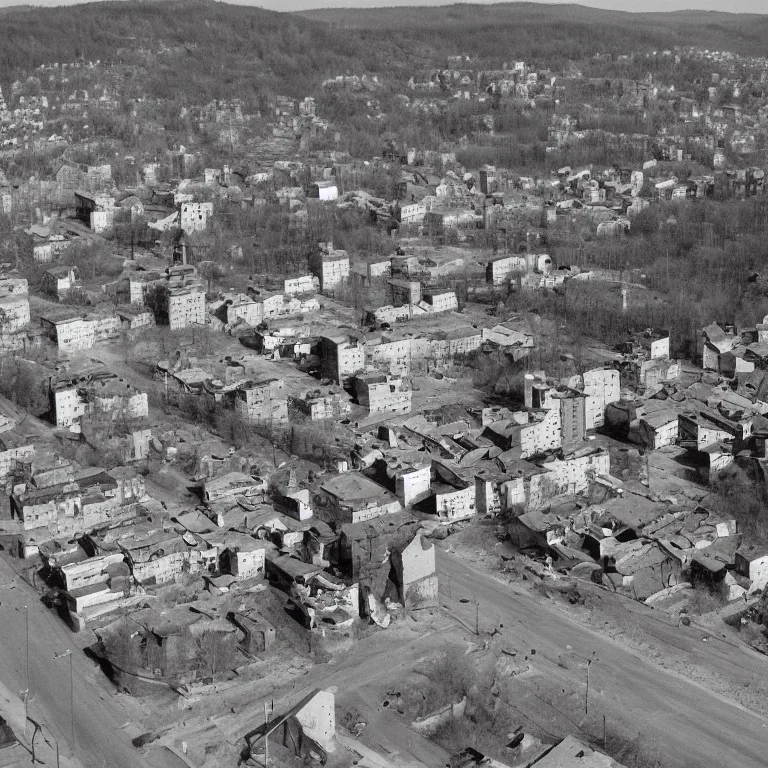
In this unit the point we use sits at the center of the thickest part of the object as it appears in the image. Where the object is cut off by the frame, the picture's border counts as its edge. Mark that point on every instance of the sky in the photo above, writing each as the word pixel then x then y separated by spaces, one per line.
pixel 731 6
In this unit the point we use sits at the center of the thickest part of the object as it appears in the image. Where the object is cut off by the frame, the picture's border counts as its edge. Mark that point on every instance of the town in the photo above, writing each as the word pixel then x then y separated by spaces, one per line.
pixel 401 416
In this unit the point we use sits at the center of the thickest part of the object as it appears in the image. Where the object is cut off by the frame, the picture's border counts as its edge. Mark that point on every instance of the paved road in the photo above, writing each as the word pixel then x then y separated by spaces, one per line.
pixel 98 718
pixel 686 724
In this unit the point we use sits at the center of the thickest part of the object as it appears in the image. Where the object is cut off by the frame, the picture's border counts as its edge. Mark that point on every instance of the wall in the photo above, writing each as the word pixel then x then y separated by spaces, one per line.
pixel 250 564
pixel 186 308
pixel 318 719
pixel 456 504
pixel 602 387
pixel 410 486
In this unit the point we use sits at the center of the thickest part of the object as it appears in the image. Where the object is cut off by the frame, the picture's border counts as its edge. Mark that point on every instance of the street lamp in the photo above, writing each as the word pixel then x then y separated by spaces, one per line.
pixel 28 691
pixel 61 655
pixel 589 661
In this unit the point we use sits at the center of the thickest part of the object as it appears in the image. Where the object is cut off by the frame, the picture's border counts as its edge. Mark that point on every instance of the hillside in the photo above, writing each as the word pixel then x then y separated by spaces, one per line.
pixel 531 31
pixel 189 47
pixel 191 50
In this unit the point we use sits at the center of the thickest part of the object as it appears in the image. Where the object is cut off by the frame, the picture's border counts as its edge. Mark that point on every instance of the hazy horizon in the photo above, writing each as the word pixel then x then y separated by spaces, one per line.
pixel 629 6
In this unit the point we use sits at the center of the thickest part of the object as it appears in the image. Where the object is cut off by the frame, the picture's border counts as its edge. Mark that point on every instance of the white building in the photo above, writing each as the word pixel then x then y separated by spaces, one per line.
pixel 194 217
pixel 186 306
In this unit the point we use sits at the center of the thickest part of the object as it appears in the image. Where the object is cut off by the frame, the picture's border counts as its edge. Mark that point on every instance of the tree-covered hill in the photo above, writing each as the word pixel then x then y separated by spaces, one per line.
pixel 194 50
pixel 531 30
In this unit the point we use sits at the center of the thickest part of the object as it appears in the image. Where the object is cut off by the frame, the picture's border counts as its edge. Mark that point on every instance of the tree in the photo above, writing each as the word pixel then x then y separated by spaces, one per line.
pixel 156 300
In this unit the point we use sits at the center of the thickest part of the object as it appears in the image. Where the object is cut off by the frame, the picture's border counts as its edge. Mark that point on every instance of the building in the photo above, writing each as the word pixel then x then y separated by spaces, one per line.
pixel 441 301
pixel 382 393
pixel 244 559
pixel 353 498
pixel 294 286
pixel 186 306
pixel 573 428
pixel 194 217
pixel 540 434
pixel 319 404
pixel 140 282
pixel 262 402
pixel 324 189
pixel 329 266
pixel 14 304
pixel 498 270
pixel 246 309
pixel 342 357
pixel 659 428
pixel 231 485
pixel 404 292
pixel 60 281
pixel 103 396
pixel 445 345
pixel 409 478
pixel 601 386
pixel 70 334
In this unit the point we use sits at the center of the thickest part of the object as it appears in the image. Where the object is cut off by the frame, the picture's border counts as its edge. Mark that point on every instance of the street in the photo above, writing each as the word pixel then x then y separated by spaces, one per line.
pixel 687 724
pixel 98 717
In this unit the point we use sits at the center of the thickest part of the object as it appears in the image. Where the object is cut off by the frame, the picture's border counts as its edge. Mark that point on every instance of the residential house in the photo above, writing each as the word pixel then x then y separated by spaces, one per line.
pixel 97 396
pixel 186 306
pixel 352 498
pixel 262 402
pixel 60 281
pixel 321 404
pixel 194 217
pixel 329 266
pixel 382 393
pixel 342 356
pixel 499 269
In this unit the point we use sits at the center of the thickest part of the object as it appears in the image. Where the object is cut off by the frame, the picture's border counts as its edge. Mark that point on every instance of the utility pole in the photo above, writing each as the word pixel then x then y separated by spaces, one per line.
pixel 68 653
pixel 28 692
pixel 477 617
pixel 266 735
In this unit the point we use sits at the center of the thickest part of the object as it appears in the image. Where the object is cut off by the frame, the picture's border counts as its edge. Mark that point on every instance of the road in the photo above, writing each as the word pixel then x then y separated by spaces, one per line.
pixel 687 724
pixel 98 716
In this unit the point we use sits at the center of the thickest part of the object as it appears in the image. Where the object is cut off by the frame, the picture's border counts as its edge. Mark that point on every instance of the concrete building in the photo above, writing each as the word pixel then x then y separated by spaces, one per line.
pixel 342 357
pixel 445 345
pixel 409 478
pixel 572 475
pixel 601 386
pixel 404 292
pixel 186 306
pixel 329 266
pixel 499 269
pixel 262 402
pixel 70 334
pixel 541 433
pixel 382 393
pixel 324 189
pixel 59 281
pixel 416 573
pixel 320 405
pixel 99 397
pixel 294 286
pixel 573 428
pixel 194 217
pixel 14 306
pixel 246 309
pixel 353 498
pixel 441 301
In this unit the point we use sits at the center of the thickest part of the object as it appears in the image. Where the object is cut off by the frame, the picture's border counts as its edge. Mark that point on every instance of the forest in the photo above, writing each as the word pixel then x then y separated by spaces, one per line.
pixel 243 51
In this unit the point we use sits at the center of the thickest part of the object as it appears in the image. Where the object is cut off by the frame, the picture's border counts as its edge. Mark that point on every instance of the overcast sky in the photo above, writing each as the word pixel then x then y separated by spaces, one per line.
pixel 732 6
